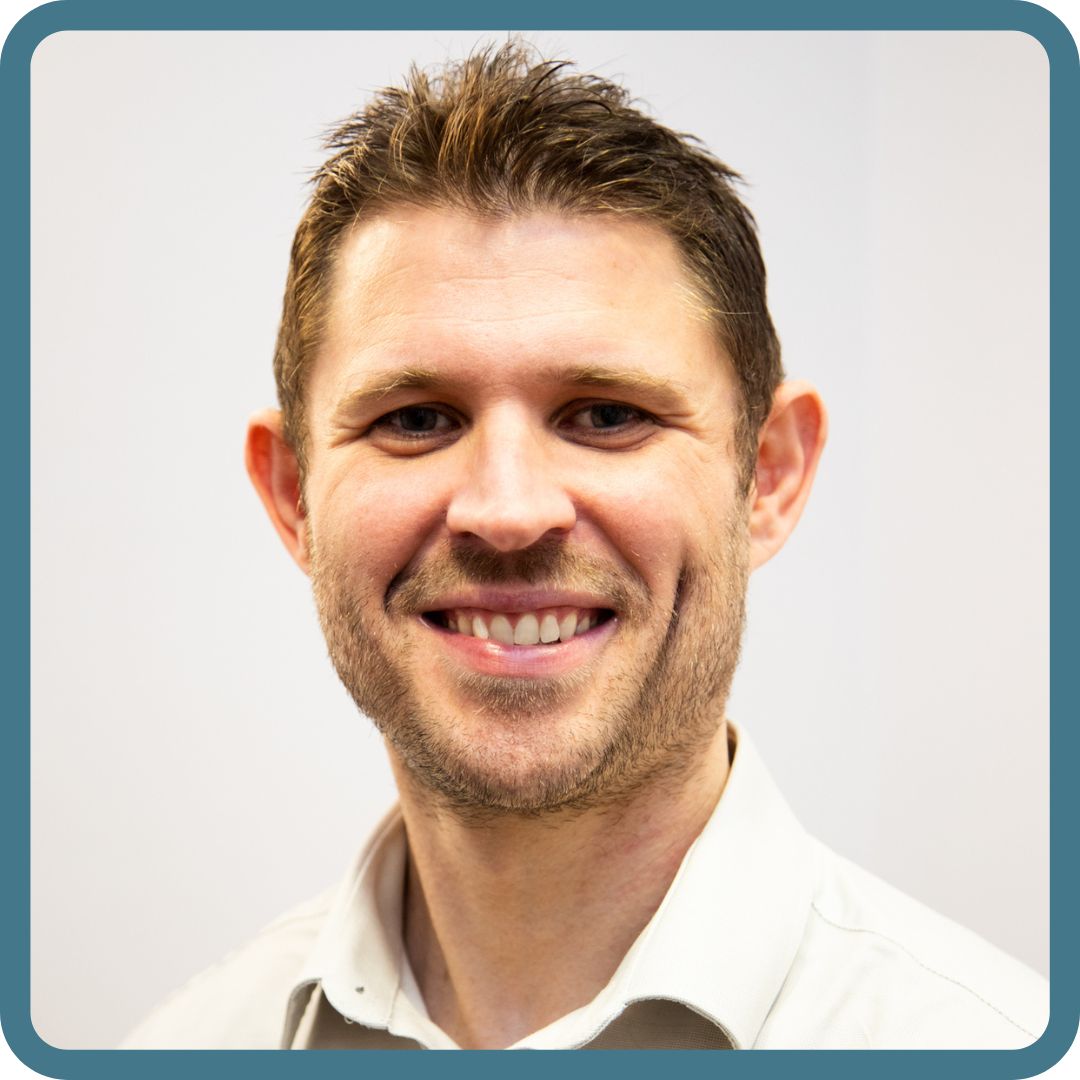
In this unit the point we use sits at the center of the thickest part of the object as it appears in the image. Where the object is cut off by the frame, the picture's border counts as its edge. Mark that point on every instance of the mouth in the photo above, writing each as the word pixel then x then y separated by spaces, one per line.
pixel 542 643
pixel 545 627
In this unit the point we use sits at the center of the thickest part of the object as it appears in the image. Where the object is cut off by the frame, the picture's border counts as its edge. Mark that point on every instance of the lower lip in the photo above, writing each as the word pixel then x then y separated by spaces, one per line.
pixel 525 661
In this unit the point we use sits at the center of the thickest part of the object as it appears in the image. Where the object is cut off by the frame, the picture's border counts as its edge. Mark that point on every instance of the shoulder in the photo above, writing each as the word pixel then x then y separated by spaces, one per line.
pixel 240 1002
pixel 880 970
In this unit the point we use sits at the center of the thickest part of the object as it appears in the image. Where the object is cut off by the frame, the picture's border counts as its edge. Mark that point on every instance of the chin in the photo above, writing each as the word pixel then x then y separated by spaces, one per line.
pixel 520 705
pixel 504 764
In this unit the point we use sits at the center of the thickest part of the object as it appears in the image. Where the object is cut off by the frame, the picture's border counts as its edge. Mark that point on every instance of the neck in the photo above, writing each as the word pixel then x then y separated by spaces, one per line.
pixel 512 924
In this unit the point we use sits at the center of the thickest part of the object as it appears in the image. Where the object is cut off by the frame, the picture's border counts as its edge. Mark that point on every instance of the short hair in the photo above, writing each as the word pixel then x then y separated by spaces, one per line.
pixel 505 132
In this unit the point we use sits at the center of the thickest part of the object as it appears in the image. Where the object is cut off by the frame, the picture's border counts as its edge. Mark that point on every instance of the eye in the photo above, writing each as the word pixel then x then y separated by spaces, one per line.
pixel 612 421
pixel 414 422
pixel 607 414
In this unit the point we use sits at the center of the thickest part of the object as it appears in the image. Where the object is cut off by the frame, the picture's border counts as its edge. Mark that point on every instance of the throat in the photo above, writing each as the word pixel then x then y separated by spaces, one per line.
pixel 513 926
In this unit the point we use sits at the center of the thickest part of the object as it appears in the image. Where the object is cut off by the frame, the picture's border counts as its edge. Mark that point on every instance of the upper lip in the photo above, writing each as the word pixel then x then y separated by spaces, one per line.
pixel 516 599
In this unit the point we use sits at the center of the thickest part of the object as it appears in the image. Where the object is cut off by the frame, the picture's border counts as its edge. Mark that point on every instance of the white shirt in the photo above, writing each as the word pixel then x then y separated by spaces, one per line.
pixel 765 939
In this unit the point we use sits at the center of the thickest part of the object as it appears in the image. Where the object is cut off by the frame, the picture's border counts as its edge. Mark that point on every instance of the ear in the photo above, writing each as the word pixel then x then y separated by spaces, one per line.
pixel 789 447
pixel 273 468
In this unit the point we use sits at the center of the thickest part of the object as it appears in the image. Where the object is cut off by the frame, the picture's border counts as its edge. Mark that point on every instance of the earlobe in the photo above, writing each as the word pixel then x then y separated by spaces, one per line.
pixel 275 473
pixel 789 448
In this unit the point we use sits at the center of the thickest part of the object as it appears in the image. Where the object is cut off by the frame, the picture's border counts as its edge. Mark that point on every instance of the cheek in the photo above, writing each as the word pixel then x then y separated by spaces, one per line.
pixel 657 520
pixel 374 526
pixel 662 516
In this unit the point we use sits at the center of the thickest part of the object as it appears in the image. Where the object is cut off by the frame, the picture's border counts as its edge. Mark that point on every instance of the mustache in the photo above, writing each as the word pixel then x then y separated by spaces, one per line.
pixel 549 563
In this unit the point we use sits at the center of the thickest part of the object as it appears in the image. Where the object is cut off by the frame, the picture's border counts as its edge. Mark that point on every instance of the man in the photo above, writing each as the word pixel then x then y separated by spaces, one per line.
pixel 533 439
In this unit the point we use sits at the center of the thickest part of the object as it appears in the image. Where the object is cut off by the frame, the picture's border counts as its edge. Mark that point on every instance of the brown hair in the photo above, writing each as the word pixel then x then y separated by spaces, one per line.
pixel 504 132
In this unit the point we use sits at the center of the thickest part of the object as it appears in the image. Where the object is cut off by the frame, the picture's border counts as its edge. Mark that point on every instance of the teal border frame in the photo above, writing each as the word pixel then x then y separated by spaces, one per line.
pixel 485 16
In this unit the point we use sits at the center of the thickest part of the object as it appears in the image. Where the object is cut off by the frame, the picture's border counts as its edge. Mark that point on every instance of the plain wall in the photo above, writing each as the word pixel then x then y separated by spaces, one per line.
pixel 197 768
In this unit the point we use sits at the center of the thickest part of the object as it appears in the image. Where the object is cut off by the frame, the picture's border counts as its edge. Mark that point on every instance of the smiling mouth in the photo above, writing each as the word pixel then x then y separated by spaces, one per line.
pixel 547 626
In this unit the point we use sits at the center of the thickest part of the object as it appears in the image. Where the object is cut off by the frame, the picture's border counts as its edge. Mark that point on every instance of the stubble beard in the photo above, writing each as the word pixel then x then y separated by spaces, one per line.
pixel 650 725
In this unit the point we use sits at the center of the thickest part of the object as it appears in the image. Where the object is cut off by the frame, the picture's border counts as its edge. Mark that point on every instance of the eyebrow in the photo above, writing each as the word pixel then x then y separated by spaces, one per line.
pixel 619 379
pixel 379 386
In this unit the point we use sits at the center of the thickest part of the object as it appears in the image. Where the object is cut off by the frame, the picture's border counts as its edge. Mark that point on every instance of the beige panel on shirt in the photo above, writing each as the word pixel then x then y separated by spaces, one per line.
pixel 644 1025
pixel 660 1025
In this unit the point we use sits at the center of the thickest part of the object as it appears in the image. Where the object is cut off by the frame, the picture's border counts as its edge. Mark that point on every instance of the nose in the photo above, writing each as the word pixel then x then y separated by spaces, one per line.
pixel 510 495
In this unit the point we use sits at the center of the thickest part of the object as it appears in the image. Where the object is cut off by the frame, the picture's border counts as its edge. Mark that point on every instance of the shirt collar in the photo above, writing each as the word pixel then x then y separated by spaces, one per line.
pixel 721 943
pixel 728 931
pixel 357 956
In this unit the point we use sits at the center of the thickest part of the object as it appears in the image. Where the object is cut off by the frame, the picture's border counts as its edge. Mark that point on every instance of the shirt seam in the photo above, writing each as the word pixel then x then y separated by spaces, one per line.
pixel 926 967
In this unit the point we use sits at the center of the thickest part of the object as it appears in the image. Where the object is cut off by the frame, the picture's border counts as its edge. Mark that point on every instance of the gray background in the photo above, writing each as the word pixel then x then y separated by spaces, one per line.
pixel 196 766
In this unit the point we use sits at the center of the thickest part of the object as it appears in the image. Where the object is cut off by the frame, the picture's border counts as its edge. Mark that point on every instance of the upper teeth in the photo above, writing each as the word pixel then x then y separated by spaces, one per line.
pixel 525 628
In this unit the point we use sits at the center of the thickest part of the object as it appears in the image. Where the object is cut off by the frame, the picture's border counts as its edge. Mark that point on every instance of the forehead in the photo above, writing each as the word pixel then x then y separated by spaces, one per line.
pixel 500 300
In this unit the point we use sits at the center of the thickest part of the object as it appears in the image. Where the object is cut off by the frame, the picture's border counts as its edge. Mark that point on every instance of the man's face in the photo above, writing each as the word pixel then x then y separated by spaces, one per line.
pixel 528 550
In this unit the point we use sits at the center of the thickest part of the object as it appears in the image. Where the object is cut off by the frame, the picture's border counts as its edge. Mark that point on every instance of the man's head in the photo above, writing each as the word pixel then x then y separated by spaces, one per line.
pixel 504 134
pixel 525 497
